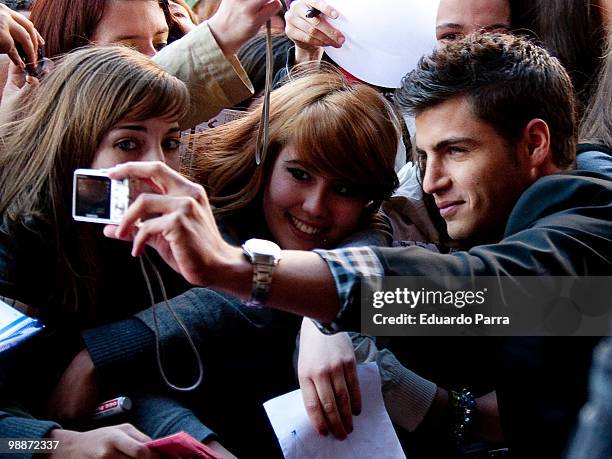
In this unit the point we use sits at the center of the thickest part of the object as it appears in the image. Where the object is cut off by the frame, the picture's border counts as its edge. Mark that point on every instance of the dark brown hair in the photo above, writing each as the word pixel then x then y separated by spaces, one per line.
pixel 571 30
pixel 596 126
pixel 507 79
pixel 66 24
pixel 69 24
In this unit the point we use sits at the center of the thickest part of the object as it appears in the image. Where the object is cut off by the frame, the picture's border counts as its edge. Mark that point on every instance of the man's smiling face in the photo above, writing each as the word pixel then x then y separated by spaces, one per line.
pixel 474 175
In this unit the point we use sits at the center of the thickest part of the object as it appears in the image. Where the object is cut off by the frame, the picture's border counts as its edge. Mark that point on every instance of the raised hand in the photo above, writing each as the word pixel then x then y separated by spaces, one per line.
pixel 311 34
pixel 17 29
pixel 238 20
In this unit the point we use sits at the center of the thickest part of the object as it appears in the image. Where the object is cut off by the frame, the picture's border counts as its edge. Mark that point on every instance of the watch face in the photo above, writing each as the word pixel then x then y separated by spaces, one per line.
pixel 262 248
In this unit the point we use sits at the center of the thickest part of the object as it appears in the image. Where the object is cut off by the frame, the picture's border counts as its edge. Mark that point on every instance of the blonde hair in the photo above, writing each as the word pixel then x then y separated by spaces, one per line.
pixel 339 129
pixel 59 127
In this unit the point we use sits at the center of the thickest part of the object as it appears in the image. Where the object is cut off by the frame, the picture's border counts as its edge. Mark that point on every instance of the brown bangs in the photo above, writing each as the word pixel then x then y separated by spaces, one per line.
pixel 347 141
pixel 162 97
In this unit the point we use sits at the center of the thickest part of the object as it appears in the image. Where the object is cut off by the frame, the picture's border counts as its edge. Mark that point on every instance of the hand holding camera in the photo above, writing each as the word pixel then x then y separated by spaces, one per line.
pixel 96 198
pixel 178 222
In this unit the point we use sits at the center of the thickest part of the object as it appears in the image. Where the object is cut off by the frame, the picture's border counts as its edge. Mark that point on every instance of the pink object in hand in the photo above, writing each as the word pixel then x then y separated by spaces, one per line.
pixel 182 445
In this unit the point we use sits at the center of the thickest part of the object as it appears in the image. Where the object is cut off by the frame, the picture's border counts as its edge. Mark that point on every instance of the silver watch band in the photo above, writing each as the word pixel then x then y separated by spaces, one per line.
pixel 262 280
pixel 264 256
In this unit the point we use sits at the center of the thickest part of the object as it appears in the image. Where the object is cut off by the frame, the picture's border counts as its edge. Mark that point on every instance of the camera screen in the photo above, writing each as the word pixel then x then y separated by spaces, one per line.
pixel 93 196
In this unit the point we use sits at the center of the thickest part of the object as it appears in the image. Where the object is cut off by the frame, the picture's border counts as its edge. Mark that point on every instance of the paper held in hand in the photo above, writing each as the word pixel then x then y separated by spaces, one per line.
pixel 373 434
pixel 384 39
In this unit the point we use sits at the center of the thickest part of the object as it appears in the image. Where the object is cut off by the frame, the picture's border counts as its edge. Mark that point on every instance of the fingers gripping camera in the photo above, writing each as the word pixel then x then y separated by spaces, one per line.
pixel 98 199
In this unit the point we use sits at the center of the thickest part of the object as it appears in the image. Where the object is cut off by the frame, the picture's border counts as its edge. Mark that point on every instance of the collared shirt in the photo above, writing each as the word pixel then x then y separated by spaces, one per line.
pixel 349 266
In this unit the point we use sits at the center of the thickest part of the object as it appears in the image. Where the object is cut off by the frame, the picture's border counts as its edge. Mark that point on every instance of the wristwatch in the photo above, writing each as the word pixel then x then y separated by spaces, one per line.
pixel 264 256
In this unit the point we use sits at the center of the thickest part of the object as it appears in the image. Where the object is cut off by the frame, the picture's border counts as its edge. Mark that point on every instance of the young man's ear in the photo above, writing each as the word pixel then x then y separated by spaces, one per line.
pixel 536 141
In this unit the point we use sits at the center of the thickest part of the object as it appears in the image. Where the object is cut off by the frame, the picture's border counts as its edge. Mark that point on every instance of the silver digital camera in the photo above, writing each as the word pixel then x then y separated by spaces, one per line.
pixel 96 198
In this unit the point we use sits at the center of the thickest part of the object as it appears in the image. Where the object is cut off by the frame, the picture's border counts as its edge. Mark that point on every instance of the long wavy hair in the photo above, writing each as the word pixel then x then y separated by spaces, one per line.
pixel 339 129
pixel 571 30
pixel 596 126
pixel 58 129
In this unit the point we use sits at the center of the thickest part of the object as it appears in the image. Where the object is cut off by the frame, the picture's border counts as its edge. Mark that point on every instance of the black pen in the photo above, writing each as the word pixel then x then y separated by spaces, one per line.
pixel 312 13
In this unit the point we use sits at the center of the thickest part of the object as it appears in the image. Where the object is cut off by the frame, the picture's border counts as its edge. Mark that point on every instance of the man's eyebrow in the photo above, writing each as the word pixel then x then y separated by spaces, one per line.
pixel 449 25
pixel 452 141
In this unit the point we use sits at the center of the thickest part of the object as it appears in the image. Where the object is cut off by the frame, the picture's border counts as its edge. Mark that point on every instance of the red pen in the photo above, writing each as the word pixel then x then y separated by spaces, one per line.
pixel 112 407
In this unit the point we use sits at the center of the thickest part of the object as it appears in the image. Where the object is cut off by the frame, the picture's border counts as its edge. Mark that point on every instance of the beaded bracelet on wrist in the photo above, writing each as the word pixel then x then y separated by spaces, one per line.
pixel 462 406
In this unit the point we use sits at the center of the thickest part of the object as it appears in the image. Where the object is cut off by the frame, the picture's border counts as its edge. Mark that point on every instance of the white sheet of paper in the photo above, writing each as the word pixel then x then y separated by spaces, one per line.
pixel 15 327
pixel 384 39
pixel 372 436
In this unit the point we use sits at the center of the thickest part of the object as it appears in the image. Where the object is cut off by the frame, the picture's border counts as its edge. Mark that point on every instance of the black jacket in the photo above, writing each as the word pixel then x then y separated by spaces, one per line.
pixel 561 226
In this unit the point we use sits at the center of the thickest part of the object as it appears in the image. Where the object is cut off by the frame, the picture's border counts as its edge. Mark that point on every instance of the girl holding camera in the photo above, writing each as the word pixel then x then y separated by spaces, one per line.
pixel 99 107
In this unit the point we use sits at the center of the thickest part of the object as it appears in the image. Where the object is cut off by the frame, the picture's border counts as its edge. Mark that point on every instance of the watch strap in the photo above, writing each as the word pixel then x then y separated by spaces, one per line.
pixel 262 280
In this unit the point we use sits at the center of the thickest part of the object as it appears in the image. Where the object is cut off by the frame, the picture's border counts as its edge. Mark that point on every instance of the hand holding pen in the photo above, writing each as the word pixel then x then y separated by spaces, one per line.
pixel 16 29
pixel 312 13
pixel 308 27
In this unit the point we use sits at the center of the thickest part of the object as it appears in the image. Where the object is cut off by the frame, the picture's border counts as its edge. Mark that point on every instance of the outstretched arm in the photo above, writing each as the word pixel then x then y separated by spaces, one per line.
pixel 180 225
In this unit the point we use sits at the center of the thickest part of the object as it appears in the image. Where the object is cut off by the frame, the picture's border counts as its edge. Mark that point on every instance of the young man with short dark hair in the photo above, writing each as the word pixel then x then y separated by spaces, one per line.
pixel 498 109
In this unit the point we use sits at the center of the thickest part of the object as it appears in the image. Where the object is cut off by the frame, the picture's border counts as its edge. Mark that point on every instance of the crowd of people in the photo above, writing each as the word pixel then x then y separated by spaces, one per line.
pixel 492 158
